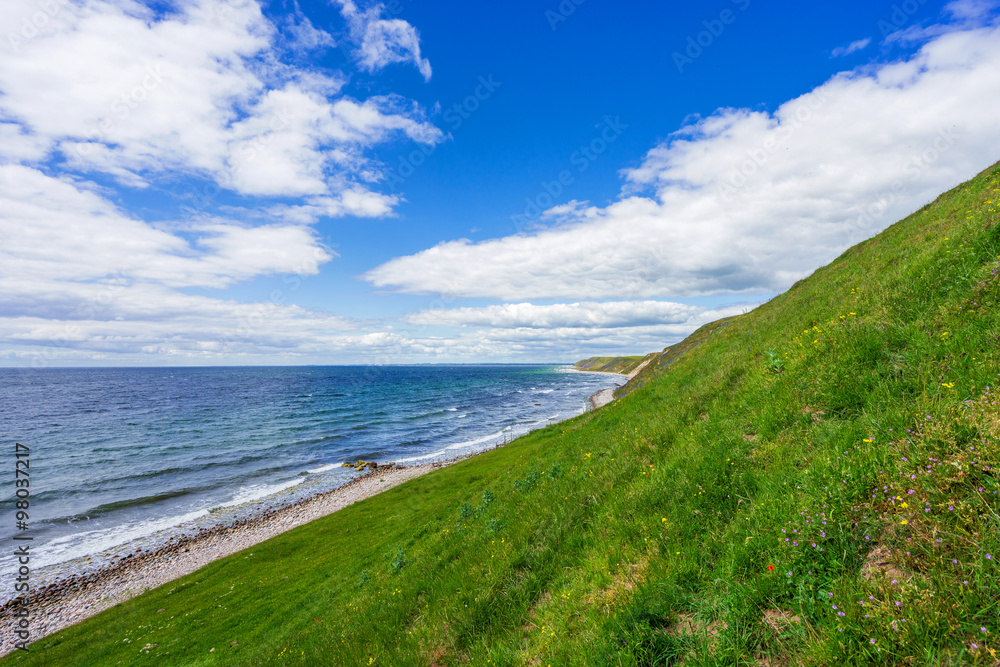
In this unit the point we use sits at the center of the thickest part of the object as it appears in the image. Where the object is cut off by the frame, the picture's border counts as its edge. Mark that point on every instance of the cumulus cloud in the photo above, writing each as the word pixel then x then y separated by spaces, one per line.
pixel 190 92
pixel 200 90
pixel 55 230
pixel 382 42
pixel 747 201
pixel 79 277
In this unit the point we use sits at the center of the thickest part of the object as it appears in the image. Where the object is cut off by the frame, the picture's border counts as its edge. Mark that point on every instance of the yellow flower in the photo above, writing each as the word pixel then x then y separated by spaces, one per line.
pixel 903 522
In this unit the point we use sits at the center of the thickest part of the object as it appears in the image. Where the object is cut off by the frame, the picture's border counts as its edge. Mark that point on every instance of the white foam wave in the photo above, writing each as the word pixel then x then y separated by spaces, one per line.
pixel 248 494
pixel 329 466
pixel 90 542
pixel 458 445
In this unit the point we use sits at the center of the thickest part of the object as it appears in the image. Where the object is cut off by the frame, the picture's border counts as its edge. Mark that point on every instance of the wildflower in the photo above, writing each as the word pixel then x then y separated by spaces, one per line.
pixel 770 567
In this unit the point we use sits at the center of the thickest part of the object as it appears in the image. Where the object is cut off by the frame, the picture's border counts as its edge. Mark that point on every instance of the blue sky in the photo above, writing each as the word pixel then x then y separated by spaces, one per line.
pixel 345 182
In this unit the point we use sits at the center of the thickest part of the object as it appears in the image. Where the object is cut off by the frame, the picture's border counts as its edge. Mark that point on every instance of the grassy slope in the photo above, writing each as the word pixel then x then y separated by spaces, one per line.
pixel 849 416
pixel 623 365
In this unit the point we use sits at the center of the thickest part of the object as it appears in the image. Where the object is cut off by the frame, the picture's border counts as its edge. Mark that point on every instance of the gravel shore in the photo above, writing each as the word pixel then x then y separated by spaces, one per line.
pixel 75 598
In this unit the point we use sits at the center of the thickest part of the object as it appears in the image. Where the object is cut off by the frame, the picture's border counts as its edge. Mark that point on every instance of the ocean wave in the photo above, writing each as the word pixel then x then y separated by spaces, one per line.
pixel 87 543
pixel 248 494
pixel 325 468
pixel 458 445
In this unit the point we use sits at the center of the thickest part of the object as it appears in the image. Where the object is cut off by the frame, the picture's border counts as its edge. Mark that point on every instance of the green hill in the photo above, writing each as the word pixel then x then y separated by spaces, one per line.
pixel 815 482
pixel 622 365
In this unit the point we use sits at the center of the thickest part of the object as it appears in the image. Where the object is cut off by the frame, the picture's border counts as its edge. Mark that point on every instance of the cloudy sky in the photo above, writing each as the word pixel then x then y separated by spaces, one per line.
pixel 237 182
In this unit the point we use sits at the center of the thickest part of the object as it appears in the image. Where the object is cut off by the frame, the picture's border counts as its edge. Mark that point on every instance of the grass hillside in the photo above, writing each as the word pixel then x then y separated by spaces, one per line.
pixel 813 483
pixel 623 365
pixel 659 362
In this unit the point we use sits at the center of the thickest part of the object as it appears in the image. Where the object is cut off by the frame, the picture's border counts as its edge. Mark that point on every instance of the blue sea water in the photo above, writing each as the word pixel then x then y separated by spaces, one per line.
pixel 126 453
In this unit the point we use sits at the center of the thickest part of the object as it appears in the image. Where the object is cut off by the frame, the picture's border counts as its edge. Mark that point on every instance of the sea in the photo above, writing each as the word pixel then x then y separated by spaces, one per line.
pixel 124 456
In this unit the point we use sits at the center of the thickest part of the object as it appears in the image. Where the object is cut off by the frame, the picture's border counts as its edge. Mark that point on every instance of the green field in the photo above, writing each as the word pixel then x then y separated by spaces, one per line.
pixel 814 482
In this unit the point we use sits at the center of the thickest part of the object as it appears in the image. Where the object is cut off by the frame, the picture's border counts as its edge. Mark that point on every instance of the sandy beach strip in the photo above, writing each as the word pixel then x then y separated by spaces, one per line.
pixel 76 598
pixel 605 396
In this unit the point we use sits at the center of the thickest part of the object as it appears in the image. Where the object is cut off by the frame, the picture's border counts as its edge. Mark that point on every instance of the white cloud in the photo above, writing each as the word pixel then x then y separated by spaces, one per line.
pixel 18 146
pixel 382 42
pixel 853 47
pixel 749 201
pixel 54 230
pixel 563 315
pixel 199 91
pixel 971 10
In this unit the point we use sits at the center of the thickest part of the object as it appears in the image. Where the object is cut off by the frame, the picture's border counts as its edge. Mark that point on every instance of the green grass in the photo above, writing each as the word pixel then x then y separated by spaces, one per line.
pixel 812 483
pixel 623 365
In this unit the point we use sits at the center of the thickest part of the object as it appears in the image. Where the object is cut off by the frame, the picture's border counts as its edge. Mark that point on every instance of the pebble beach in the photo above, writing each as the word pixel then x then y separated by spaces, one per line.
pixel 62 603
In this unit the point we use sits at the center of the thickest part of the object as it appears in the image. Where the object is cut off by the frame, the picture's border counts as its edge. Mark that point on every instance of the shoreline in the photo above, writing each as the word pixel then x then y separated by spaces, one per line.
pixel 68 599
pixel 605 396
pixel 78 597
